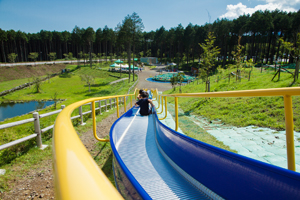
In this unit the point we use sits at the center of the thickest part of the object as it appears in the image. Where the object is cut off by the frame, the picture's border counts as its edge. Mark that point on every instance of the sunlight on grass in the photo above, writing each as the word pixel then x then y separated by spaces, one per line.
pixel 259 111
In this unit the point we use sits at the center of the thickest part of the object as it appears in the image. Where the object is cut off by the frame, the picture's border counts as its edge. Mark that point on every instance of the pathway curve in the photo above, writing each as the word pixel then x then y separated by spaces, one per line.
pixel 143 83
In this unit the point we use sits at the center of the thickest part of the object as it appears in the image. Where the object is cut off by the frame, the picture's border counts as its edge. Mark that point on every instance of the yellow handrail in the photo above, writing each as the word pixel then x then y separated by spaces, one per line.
pixel 176 113
pixel 76 174
pixel 124 104
pixel 117 102
pixel 94 122
pixel 158 102
pixel 162 106
pixel 287 93
pixel 166 109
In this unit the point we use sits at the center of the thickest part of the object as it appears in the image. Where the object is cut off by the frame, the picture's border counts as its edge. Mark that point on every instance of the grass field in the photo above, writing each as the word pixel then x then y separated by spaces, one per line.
pixel 23 157
pixel 259 111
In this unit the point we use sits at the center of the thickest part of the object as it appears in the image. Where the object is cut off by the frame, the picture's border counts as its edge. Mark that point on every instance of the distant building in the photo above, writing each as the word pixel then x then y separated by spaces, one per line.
pixel 149 60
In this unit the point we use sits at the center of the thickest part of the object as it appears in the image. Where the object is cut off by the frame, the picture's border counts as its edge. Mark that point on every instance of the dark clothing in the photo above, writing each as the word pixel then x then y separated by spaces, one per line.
pixel 144 106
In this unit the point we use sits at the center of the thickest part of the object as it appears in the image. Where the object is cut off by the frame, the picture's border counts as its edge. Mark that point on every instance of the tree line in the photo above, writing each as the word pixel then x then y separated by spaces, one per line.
pixel 260 35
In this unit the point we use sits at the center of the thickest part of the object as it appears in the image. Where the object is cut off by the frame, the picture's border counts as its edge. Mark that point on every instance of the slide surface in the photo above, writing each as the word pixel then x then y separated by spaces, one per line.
pixel 152 161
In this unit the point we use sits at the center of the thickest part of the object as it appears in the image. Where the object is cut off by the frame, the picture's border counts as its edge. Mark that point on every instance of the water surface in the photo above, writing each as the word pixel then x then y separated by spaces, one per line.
pixel 9 110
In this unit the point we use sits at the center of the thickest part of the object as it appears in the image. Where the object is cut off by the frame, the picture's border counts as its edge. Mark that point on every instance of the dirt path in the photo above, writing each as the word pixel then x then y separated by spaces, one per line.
pixel 39 184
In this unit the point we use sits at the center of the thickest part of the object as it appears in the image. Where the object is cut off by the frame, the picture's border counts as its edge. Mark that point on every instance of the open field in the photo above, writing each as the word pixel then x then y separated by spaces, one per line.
pixel 259 111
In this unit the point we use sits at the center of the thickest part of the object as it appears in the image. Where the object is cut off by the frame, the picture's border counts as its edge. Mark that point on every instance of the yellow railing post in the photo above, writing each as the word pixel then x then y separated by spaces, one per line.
pixel 95 125
pixel 130 101
pixel 124 103
pixel 162 105
pixel 158 101
pixel 117 102
pixel 166 110
pixel 94 117
pixel 289 128
pixel 176 113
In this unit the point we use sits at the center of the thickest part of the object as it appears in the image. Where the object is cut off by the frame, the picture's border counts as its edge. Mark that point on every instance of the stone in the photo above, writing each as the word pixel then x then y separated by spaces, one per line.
pixel 2 171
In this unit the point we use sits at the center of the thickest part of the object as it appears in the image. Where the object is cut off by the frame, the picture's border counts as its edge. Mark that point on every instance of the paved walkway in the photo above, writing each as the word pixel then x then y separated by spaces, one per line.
pixel 119 80
pixel 143 83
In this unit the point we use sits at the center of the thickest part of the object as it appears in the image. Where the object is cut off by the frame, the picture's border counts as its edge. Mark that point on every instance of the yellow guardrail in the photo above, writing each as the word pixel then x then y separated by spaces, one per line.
pixel 76 174
pixel 287 93
pixel 166 109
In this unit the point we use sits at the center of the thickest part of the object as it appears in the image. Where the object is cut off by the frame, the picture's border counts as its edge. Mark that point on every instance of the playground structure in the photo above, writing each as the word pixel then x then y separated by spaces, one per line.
pixel 167 77
pixel 212 173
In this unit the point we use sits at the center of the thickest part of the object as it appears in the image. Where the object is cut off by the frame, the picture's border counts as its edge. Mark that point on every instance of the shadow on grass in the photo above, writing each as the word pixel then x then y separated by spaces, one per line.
pixel 99 93
pixel 292 84
pixel 107 169
pixel 98 85
pixel 65 75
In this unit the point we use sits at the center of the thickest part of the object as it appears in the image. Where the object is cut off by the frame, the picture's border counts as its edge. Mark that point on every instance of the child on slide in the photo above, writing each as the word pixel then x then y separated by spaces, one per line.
pixel 144 104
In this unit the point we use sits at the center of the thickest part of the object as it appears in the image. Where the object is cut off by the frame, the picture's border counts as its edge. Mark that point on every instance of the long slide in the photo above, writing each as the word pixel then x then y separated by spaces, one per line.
pixel 152 161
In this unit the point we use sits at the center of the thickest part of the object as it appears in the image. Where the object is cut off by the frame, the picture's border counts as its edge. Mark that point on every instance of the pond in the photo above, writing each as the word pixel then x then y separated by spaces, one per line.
pixel 9 110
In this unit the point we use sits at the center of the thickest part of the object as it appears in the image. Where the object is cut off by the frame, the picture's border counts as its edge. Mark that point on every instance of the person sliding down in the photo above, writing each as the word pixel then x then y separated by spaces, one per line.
pixel 144 104
pixel 140 94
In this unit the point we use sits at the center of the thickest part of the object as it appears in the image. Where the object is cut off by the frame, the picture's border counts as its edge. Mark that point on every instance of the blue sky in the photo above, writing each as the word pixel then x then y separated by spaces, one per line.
pixel 34 15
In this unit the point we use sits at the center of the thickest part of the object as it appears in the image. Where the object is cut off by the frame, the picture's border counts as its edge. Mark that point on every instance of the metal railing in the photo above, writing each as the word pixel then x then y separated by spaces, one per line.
pixel 77 176
pixel 286 93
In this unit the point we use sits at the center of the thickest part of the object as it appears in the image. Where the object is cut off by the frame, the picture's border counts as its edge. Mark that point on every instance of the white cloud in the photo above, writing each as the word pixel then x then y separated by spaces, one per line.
pixel 234 11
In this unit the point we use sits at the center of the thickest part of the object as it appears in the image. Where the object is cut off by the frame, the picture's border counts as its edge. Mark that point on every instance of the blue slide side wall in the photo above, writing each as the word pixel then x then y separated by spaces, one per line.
pixel 230 175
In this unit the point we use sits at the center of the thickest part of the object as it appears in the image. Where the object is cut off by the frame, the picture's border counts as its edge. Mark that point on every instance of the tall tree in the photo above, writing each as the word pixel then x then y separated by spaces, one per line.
pixel 160 38
pixel 295 53
pixel 22 38
pixel 66 36
pixel 210 53
pixel 106 38
pixel 99 38
pixel 137 28
pixel 89 37
pixel 179 32
pixel 188 39
pixel 3 38
pixel 77 38
pixel 125 36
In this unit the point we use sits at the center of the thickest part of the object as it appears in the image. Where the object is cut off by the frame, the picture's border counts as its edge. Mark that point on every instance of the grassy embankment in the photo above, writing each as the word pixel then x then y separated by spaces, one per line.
pixel 17 160
pixel 258 111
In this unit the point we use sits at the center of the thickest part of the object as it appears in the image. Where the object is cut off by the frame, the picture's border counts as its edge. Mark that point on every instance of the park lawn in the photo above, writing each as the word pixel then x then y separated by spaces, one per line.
pixel 21 158
pixel 70 89
pixel 258 111
pixel 7 85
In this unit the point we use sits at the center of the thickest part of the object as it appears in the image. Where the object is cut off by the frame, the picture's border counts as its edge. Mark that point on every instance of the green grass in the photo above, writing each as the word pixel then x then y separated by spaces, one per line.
pixel 258 111
pixel 21 158
pixel 17 169
pixel 71 89
pixel 7 85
